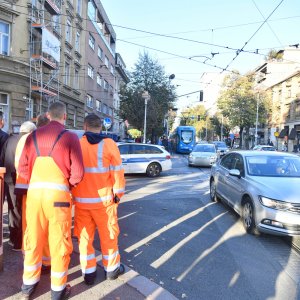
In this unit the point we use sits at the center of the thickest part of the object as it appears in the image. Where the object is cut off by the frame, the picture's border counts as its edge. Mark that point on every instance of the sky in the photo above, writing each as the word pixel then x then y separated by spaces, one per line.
pixel 195 38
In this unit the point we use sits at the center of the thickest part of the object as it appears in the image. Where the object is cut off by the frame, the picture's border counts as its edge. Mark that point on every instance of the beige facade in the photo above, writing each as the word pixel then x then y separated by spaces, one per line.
pixel 29 77
pixel 281 79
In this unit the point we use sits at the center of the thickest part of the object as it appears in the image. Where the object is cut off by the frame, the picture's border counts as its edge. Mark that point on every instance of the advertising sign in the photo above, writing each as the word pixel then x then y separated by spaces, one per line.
pixel 50 44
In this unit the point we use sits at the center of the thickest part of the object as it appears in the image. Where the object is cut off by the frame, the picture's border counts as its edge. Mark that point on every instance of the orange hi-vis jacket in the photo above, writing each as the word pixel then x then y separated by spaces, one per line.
pixel 103 175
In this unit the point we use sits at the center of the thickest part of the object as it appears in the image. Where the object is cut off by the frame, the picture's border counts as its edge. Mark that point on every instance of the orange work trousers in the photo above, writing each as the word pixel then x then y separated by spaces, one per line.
pixel 106 220
pixel 46 259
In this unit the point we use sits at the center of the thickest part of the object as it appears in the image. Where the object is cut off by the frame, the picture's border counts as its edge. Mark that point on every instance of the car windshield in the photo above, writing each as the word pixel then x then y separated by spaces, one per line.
pixel 204 148
pixel 186 136
pixel 274 166
pixel 220 144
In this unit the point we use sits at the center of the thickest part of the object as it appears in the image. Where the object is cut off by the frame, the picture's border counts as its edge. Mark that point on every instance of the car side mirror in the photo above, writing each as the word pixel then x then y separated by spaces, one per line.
pixel 235 172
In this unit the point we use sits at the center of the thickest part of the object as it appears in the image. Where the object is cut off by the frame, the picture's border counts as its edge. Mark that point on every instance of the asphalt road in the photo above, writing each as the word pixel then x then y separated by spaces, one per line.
pixel 174 235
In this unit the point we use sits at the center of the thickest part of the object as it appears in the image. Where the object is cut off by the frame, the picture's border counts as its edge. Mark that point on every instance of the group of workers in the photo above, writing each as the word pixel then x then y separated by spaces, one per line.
pixel 54 170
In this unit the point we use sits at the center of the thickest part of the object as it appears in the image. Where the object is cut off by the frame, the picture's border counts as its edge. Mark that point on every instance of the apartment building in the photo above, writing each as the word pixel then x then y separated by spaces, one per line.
pixel 41 53
pixel 281 79
pixel 100 62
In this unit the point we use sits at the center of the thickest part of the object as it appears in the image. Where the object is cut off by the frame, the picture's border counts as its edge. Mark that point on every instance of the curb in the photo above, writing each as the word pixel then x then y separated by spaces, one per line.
pixel 149 289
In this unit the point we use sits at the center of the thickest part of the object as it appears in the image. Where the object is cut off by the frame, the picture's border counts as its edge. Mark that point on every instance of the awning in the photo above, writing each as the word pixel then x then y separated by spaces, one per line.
pixel 284 132
pixel 293 134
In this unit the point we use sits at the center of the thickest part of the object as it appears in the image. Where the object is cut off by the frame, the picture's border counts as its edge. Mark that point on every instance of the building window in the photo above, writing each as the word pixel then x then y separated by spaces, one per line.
pixel 69 31
pixel 297 110
pixel 100 53
pixel 111 69
pixel 29 109
pixel 75 117
pixel 79 6
pixel 99 80
pixel 110 111
pixel 56 23
pixel 76 79
pixel 105 109
pixel 67 73
pixel 4 101
pixel 92 10
pixel 92 42
pixel 106 85
pixel 90 71
pixel 106 61
pixel 89 101
pixel 98 105
pixel 77 41
pixel 4 38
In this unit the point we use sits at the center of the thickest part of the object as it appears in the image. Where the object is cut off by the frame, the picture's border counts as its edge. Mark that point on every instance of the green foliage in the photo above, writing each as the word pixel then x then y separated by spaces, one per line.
pixel 148 75
pixel 135 133
pixel 238 102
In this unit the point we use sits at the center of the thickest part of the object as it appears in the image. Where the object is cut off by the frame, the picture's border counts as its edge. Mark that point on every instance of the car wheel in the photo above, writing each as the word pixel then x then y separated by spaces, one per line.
pixel 248 216
pixel 153 170
pixel 213 192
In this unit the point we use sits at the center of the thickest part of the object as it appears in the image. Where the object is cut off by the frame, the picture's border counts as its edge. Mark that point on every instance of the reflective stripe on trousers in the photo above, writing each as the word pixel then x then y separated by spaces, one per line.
pixel 105 219
pixel 48 217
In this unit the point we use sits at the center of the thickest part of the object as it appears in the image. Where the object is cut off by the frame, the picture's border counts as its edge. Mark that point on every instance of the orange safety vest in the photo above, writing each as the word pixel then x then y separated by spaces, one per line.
pixel 103 175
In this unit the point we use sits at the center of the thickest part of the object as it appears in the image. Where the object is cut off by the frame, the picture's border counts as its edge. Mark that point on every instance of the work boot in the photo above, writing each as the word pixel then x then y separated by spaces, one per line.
pixel 89 279
pixel 62 295
pixel 116 273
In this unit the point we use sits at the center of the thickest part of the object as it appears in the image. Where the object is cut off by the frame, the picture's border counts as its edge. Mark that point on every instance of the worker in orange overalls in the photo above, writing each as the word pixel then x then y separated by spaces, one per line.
pixel 21 188
pixel 96 200
pixel 51 162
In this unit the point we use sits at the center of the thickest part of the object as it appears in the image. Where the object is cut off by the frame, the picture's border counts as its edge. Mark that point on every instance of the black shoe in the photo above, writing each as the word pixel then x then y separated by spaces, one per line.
pixel 67 293
pixel 116 273
pixel 89 279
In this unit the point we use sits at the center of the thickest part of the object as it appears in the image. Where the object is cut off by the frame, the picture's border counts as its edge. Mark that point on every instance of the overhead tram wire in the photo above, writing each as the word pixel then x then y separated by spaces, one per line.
pixel 242 49
pixel 274 33
pixel 215 66
pixel 148 32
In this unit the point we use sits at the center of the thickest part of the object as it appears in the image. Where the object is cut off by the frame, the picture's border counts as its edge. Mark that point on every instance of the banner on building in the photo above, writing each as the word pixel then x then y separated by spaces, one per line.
pixel 51 44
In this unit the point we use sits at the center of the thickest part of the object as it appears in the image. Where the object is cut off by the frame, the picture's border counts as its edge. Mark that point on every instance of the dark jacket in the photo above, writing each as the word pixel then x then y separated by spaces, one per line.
pixel 7 157
pixel 3 137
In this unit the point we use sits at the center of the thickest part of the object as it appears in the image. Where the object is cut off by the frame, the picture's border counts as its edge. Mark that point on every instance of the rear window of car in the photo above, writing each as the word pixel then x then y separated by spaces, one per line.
pixel 204 148
pixel 145 149
pixel 139 149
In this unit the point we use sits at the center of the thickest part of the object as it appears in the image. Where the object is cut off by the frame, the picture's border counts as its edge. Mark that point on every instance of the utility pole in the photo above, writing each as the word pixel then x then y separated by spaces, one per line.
pixel 222 129
pixel 256 123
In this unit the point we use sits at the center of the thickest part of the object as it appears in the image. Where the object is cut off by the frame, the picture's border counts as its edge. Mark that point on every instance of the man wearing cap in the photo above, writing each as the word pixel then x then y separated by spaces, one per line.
pixel 14 206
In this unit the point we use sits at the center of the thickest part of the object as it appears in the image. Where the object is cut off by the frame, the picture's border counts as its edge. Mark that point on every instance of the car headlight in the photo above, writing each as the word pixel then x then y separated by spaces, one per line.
pixel 275 204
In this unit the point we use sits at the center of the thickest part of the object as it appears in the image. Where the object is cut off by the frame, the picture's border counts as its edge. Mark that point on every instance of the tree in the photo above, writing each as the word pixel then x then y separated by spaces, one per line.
pixel 238 103
pixel 148 75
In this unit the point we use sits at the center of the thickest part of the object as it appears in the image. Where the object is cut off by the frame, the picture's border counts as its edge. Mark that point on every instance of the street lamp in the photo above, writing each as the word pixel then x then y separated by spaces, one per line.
pixel 146 97
pixel 257 102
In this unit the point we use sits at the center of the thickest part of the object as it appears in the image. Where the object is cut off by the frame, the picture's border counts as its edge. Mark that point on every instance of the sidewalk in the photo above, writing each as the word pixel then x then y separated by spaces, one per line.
pixel 130 286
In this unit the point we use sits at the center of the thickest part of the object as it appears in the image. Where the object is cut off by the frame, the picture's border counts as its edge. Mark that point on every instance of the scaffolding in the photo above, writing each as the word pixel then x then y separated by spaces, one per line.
pixel 44 56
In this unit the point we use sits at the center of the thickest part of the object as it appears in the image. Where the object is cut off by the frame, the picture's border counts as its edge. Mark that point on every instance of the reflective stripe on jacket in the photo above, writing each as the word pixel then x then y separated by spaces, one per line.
pixel 103 177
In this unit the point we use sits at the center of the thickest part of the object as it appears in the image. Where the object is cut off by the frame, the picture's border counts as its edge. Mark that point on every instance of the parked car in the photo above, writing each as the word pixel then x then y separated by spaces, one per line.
pixel 262 187
pixel 144 158
pixel 221 147
pixel 264 148
pixel 203 155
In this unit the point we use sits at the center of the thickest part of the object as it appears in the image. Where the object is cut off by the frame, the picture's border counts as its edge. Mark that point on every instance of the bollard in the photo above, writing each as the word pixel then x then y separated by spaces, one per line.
pixel 2 172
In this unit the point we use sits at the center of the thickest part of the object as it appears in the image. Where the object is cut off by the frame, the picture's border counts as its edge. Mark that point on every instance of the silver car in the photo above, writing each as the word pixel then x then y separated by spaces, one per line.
pixel 203 155
pixel 262 187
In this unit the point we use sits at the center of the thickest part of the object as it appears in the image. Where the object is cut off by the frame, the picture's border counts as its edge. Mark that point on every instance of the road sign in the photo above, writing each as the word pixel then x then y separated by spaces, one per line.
pixel 107 123
pixel 276 133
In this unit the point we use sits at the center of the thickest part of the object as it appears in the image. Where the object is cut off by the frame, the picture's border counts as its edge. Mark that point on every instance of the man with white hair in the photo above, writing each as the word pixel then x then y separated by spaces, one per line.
pixel 14 205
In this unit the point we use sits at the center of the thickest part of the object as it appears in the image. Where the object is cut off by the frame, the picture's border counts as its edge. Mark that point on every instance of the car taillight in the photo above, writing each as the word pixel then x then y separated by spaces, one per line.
pixel 168 156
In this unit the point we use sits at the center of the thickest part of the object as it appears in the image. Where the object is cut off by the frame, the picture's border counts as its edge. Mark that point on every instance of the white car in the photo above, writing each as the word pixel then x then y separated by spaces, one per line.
pixel 203 155
pixel 144 158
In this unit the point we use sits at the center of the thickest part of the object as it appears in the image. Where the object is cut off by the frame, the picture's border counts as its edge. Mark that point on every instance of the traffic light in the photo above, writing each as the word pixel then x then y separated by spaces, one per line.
pixel 199 117
pixel 201 96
